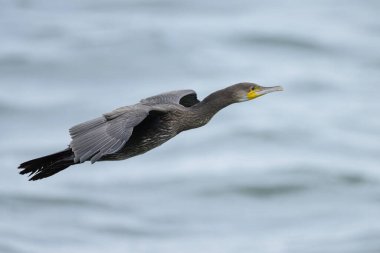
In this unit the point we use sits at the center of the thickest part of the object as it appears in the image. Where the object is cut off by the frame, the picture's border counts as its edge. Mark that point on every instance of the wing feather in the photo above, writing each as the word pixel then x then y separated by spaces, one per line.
pixel 105 135
pixel 93 139
pixel 172 97
pixel 86 126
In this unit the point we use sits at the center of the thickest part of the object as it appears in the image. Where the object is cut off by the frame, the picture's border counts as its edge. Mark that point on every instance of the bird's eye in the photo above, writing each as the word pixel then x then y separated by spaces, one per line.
pixel 252 88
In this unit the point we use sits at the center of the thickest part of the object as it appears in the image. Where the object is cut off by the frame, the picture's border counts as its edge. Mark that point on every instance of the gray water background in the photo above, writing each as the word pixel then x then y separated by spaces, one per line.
pixel 291 172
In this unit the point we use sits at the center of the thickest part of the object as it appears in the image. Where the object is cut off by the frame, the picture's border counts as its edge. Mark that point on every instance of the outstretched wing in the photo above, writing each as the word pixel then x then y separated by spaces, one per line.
pixel 186 98
pixel 107 134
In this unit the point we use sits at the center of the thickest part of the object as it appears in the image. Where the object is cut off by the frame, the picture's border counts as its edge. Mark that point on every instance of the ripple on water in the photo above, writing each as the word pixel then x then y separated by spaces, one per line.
pixel 287 182
pixel 256 190
pixel 285 41
pixel 42 200
pixel 123 230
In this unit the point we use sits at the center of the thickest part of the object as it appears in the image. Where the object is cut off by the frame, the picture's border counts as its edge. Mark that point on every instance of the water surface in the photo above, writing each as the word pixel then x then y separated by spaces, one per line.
pixel 296 171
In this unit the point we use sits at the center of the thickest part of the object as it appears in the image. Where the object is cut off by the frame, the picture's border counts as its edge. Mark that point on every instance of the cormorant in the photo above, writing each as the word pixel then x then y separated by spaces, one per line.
pixel 135 129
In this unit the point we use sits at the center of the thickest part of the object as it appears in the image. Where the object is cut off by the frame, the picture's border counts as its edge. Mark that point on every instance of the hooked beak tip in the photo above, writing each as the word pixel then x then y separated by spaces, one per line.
pixel 266 90
pixel 277 88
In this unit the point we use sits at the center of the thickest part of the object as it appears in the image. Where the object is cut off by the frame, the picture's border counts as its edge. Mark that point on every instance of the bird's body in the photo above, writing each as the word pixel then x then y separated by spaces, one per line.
pixel 153 131
pixel 133 130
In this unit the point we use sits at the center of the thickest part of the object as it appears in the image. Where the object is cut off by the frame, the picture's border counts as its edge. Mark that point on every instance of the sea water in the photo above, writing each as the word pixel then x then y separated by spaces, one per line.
pixel 290 172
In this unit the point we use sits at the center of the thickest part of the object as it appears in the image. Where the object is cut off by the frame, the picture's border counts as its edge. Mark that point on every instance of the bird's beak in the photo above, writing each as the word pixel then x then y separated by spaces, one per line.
pixel 259 91
pixel 265 90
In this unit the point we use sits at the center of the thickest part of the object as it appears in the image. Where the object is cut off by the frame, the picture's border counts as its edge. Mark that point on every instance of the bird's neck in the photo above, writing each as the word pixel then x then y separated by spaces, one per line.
pixel 202 112
pixel 216 101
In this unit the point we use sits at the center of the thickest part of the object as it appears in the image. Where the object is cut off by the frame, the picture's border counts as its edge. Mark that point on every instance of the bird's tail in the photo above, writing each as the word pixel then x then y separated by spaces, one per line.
pixel 49 165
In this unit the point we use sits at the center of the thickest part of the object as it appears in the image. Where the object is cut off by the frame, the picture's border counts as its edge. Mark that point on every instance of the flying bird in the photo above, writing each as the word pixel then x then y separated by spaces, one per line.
pixel 135 129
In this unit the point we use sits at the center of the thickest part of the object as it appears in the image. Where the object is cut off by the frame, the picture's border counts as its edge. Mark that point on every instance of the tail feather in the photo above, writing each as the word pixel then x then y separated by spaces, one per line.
pixel 48 165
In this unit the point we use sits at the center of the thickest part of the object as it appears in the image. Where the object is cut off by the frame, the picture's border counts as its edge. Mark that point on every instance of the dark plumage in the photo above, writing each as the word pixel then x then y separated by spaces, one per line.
pixel 133 130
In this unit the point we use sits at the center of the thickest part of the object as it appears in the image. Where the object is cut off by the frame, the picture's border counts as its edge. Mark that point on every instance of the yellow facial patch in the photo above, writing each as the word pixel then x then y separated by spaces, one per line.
pixel 252 94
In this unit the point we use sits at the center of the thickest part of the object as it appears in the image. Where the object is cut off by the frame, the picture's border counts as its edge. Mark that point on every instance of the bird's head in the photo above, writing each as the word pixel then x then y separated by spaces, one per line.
pixel 248 91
